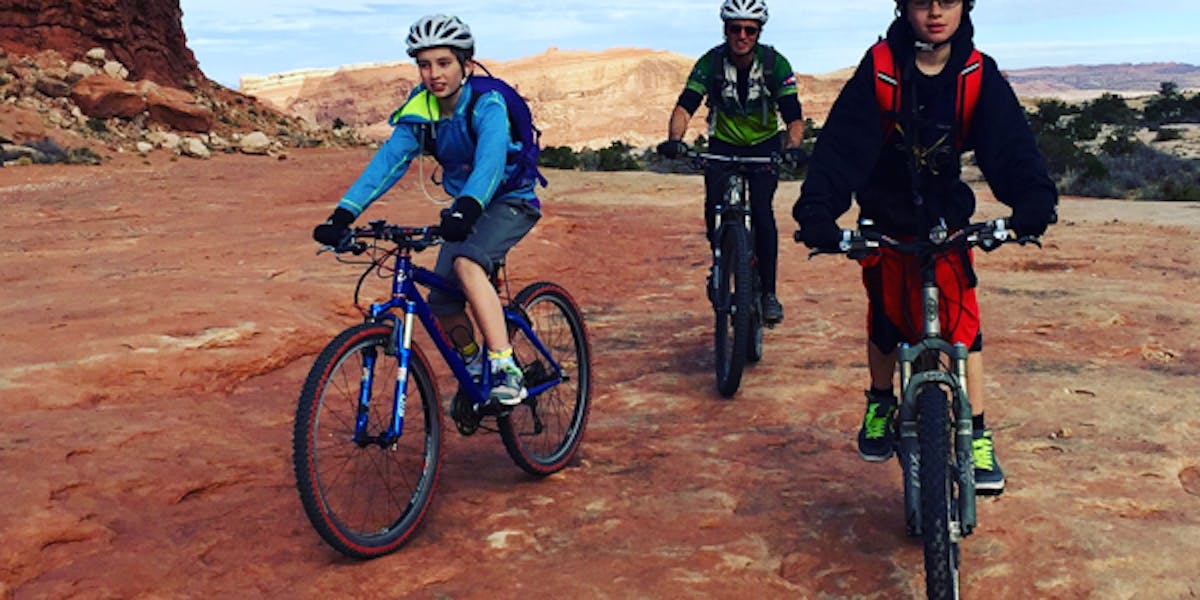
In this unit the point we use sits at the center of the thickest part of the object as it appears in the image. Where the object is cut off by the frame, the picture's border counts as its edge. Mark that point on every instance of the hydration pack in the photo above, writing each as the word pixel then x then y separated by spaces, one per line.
pixel 520 121
pixel 717 80
pixel 887 91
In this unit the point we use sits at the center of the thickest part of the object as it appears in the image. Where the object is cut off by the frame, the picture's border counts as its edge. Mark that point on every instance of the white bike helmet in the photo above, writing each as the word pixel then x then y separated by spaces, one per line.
pixel 436 31
pixel 752 10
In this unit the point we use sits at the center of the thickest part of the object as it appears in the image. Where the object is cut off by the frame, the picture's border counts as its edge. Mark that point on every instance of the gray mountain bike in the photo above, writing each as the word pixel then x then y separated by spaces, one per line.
pixel 934 422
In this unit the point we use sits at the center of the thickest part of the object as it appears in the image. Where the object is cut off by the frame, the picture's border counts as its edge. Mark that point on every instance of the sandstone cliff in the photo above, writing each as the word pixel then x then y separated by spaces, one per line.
pixel 144 35
pixel 579 98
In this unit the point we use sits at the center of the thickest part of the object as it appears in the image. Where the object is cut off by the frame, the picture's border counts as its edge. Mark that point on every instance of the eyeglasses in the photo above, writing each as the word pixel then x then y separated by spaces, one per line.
pixel 749 30
pixel 925 4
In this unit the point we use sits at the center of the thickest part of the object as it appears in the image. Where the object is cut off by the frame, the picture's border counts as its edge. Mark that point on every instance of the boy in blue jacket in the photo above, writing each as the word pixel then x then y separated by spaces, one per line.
pixel 490 213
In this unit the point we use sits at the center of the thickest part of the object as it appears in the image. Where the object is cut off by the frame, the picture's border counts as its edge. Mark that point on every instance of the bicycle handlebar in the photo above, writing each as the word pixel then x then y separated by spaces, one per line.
pixel 988 235
pixel 413 238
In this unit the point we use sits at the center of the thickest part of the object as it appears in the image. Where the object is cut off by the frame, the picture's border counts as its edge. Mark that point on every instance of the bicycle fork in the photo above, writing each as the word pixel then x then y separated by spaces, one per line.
pixel 400 345
pixel 910 359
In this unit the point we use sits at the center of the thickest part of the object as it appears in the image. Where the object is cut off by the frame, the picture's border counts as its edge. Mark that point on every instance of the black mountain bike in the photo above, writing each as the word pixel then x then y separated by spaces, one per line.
pixel 734 287
pixel 934 422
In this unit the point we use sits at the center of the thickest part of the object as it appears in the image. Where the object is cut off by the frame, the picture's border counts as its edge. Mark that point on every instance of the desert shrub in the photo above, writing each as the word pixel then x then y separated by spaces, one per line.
pixel 49 152
pixel 97 125
pixel 1060 153
pixel 1048 115
pixel 1111 109
pixel 616 157
pixel 1142 173
pixel 82 156
pixel 1171 106
pixel 1082 128
pixel 1167 134
pixel 1119 142
pixel 559 157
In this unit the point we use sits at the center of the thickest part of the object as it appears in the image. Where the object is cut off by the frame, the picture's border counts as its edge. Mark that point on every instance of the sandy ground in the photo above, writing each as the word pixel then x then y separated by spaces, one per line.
pixel 159 317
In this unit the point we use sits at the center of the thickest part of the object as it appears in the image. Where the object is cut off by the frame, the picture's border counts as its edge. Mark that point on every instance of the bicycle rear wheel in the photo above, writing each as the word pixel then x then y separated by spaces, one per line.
pixel 940 525
pixel 732 305
pixel 543 433
pixel 365 498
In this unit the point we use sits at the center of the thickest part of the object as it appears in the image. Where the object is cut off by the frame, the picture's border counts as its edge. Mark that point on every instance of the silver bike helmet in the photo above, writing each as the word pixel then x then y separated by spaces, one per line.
pixel 436 31
pixel 751 10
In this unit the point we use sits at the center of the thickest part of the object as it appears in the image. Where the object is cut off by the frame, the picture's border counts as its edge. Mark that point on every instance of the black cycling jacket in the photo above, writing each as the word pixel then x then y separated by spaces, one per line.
pixel 852 157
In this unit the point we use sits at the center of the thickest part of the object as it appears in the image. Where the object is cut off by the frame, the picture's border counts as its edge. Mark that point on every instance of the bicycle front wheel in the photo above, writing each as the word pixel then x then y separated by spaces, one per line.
pixel 940 526
pixel 754 349
pixel 543 433
pixel 366 494
pixel 732 307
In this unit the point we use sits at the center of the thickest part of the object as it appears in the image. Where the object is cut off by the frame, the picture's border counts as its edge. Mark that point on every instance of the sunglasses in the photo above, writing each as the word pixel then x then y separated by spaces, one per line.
pixel 925 4
pixel 749 30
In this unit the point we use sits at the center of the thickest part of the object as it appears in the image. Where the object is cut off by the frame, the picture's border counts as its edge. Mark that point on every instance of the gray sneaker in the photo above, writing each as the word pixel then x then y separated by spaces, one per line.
pixel 508 385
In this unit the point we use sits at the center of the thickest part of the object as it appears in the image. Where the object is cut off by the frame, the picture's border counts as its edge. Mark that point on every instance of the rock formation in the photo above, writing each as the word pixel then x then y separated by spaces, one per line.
pixel 144 35
pixel 117 75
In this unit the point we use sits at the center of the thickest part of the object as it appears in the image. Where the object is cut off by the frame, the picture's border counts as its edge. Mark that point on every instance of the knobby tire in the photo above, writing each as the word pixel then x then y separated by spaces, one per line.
pixel 732 305
pixel 938 493
pixel 365 500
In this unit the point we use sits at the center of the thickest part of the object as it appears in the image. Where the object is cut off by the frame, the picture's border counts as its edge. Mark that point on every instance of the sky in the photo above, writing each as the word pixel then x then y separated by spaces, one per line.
pixel 231 38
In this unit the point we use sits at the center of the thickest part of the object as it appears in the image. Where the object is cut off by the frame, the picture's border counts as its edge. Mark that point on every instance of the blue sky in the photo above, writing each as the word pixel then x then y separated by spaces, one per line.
pixel 231 38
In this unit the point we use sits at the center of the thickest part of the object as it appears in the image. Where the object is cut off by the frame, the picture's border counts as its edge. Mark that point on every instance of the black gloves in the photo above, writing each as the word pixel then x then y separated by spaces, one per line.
pixel 820 234
pixel 796 157
pixel 1032 223
pixel 673 149
pixel 818 229
pixel 331 232
pixel 458 221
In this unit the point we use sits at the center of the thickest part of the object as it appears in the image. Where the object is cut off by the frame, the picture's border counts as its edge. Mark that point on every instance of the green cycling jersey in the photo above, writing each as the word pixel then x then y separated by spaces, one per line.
pixel 752 118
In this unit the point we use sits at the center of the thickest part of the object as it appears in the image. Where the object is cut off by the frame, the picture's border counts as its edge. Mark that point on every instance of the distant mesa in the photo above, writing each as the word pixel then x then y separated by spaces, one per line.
pixel 589 98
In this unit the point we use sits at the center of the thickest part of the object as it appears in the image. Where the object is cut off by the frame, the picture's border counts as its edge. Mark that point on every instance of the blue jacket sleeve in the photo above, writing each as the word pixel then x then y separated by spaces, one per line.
pixel 385 169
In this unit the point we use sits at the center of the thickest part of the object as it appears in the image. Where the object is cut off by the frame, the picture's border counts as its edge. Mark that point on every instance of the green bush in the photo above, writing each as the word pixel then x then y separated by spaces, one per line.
pixel 1119 142
pixel 616 157
pixel 559 157
pixel 1111 109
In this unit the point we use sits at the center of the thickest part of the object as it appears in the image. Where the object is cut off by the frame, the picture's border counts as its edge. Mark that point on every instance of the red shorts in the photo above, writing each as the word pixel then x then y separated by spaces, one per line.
pixel 893 283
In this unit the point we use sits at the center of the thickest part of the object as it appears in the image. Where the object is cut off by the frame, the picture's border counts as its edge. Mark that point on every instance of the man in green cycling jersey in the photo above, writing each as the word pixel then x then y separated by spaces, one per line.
pixel 749 87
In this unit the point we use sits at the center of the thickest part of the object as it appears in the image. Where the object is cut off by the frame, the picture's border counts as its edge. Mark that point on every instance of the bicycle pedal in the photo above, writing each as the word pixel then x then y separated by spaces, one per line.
pixel 493 408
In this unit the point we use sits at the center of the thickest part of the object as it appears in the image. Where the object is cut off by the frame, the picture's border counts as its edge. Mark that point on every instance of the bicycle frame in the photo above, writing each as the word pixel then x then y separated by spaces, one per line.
pixel 406 296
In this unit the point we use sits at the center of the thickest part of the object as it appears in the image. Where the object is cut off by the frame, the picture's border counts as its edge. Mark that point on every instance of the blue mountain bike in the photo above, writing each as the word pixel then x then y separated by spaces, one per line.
pixel 367 441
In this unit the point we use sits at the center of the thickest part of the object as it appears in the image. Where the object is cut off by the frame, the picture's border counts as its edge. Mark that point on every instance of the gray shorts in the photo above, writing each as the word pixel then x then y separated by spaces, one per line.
pixel 504 222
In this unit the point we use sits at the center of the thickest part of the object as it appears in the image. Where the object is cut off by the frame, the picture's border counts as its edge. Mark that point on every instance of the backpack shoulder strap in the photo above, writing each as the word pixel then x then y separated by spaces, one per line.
pixel 770 56
pixel 970 80
pixel 887 85
pixel 716 73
